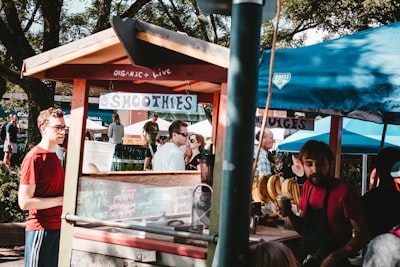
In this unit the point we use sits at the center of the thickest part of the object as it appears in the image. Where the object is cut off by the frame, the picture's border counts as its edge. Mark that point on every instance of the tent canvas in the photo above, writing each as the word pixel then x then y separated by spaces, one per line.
pixel 358 137
pixel 203 127
pixel 356 75
pixel 90 125
pixel 136 128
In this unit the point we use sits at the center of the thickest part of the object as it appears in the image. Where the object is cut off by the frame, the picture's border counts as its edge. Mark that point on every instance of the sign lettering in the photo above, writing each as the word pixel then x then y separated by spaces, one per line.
pixel 142 74
pixel 288 123
pixel 154 102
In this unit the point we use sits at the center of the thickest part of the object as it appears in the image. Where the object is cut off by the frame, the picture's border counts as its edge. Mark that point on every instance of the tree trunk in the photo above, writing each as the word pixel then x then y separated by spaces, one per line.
pixel 40 96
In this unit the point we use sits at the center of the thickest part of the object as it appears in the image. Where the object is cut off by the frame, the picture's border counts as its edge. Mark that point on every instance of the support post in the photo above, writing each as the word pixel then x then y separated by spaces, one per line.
pixel 239 137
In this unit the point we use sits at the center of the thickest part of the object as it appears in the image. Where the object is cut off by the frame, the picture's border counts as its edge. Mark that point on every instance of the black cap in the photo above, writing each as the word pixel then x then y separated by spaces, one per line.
pixel 395 170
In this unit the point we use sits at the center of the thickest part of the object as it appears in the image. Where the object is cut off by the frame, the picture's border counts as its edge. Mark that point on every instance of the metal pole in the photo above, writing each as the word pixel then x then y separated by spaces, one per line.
pixel 364 174
pixel 239 137
pixel 156 230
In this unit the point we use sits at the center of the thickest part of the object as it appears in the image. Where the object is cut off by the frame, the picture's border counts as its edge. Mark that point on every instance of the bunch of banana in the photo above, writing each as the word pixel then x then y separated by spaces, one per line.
pixel 290 187
pixel 274 186
pixel 260 193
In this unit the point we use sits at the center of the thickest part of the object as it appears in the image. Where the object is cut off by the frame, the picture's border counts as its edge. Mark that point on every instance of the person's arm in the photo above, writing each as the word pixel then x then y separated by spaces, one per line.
pixel 27 200
pixel 110 131
pixel 296 222
pixel 359 240
pixel 144 132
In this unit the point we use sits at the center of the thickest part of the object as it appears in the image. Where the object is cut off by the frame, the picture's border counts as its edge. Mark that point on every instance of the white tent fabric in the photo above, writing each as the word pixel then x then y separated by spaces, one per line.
pixel 358 136
pixel 90 125
pixel 202 127
pixel 136 128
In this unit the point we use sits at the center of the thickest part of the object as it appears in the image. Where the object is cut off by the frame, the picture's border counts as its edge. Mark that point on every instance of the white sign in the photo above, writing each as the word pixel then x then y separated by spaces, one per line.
pixel 154 102
pixel 281 79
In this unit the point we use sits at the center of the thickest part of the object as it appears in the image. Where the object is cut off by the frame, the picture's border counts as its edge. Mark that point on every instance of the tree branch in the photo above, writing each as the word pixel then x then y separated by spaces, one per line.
pixel 134 9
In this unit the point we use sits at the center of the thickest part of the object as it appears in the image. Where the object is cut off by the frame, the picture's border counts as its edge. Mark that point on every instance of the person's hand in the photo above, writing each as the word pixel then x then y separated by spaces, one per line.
pixel 329 261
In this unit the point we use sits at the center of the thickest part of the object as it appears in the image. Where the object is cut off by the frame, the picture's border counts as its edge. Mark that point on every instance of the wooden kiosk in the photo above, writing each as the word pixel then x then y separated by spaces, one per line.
pixel 104 213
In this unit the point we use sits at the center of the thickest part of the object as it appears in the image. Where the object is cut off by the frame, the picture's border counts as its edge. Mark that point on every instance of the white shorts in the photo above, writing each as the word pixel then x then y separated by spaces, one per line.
pixel 14 147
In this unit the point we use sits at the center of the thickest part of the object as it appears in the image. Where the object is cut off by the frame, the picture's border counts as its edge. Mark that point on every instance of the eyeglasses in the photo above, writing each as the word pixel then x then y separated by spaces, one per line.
pixel 184 134
pixel 397 183
pixel 192 140
pixel 58 128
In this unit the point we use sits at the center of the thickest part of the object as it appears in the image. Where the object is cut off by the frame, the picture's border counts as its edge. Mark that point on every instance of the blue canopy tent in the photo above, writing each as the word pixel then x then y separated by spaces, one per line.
pixel 358 137
pixel 356 75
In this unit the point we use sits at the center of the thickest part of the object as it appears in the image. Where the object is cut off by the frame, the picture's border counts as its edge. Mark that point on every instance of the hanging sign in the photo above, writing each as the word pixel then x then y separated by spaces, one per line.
pixel 288 123
pixel 154 102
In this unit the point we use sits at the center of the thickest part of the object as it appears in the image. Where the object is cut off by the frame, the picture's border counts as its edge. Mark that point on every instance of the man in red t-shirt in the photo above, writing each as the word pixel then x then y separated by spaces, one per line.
pixel 331 219
pixel 41 192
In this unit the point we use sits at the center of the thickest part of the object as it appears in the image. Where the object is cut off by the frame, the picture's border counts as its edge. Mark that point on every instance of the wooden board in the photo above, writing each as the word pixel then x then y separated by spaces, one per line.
pixel 159 179
pixel 149 244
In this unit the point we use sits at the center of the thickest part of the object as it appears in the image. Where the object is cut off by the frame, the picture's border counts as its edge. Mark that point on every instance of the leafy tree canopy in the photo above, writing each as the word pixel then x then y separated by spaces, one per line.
pixel 29 27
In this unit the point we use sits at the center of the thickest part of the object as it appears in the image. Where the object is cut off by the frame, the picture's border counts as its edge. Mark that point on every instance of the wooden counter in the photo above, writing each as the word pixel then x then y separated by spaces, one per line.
pixel 289 237
pixel 130 196
pixel 268 233
pixel 97 247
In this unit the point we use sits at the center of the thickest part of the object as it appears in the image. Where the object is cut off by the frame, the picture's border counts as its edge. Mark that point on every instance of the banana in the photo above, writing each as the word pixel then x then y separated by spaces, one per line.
pixel 254 195
pixel 295 191
pixel 274 186
pixel 278 186
pixel 286 187
pixel 271 187
pixel 290 187
pixel 262 190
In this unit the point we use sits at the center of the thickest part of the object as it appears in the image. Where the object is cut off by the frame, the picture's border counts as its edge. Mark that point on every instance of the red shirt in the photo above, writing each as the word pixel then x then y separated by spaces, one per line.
pixel 343 203
pixel 43 169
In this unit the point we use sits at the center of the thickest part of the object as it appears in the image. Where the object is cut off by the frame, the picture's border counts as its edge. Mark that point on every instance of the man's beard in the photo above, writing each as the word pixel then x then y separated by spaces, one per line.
pixel 318 179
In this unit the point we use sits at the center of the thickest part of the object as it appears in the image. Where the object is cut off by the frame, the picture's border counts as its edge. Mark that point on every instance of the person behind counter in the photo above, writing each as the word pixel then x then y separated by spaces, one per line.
pixel 41 192
pixel 170 157
pixel 331 219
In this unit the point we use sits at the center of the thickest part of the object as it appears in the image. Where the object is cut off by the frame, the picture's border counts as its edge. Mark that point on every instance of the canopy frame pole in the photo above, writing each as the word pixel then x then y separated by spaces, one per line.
pixel 335 142
pixel 364 174
pixel 383 135
pixel 269 96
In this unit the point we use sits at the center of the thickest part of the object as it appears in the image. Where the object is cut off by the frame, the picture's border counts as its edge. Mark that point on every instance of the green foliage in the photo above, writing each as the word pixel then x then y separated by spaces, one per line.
pixel 9 209
pixel 351 172
pixel 340 17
